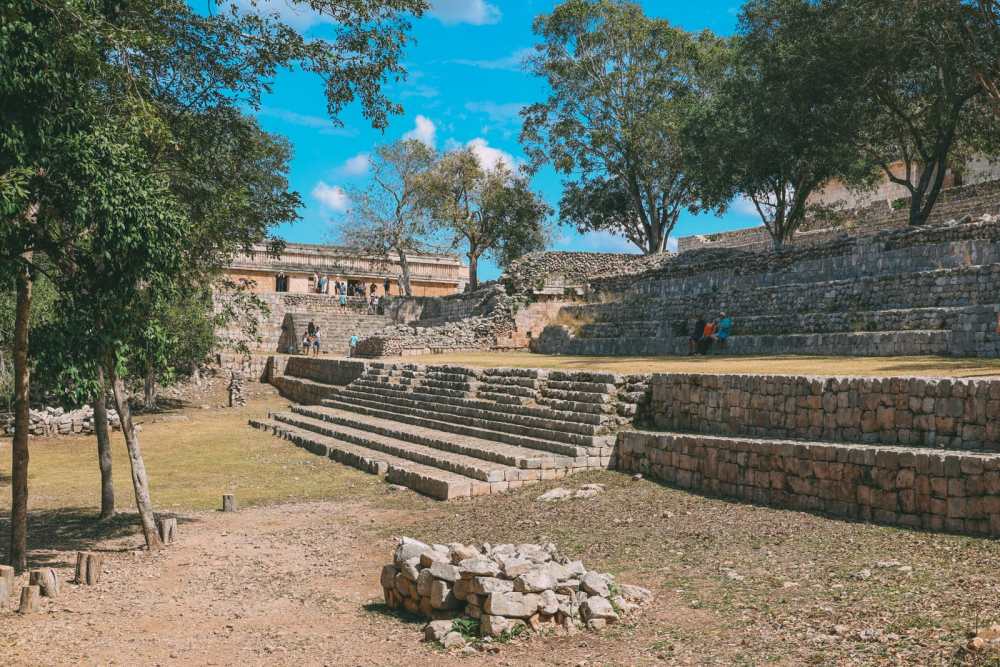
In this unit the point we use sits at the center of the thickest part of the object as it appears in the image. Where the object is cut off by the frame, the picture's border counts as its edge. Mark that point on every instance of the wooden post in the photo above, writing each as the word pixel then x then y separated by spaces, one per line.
pixel 88 568
pixel 228 502
pixel 47 580
pixel 6 582
pixel 30 600
pixel 168 530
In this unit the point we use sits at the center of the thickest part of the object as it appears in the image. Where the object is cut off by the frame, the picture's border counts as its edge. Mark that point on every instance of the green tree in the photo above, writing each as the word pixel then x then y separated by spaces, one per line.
pixel 776 117
pixel 926 110
pixel 94 139
pixel 387 217
pixel 619 81
pixel 486 211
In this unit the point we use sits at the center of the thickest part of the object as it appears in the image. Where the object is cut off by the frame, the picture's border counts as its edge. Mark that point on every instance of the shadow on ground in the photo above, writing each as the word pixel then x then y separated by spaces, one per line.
pixel 54 536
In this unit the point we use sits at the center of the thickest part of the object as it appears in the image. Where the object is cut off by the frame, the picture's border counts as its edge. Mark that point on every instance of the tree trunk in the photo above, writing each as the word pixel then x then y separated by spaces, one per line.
pixel 473 272
pixel 139 480
pixel 104 448
pixel 149 389
pixel 404 280
pixel 18 553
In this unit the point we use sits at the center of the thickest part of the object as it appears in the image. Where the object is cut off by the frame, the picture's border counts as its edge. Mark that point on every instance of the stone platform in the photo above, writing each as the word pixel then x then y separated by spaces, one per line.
pixel 915 452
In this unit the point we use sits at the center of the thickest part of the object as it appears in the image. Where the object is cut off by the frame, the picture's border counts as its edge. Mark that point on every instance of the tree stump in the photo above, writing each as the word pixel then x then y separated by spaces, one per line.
pixel 6 581
pixel 88 568
pixel 47 580
pixel 168 530
pixel 31 600
pixel 228 503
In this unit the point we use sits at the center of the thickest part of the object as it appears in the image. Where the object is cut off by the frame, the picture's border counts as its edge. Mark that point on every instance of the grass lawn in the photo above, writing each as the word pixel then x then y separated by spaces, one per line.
pixel 191 463
pixel 785 365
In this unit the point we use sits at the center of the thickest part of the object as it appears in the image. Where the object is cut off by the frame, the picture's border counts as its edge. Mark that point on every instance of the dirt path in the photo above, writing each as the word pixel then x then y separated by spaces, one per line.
pixel 284 585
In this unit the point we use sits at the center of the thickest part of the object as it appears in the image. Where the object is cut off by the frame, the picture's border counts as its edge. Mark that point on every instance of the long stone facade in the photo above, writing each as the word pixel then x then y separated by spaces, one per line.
pixel 932 290
pixel 300 266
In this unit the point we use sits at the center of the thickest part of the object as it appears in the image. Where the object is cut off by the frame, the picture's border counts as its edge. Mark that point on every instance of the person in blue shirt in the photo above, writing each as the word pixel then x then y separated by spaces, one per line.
pixel 354 344
pixel 722 332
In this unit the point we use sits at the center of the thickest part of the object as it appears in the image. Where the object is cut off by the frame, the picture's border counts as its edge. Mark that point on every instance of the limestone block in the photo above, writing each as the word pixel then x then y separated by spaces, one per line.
pixel 512 605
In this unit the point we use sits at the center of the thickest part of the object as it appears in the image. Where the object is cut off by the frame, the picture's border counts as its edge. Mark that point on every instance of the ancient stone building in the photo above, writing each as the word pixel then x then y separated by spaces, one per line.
pixel 301 266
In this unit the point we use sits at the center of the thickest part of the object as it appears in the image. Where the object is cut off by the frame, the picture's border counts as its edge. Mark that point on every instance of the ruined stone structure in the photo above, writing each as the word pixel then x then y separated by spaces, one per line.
pixel 914 452
pixel 502 586
pixel 867 216
pixel 300 265
pixel 931 290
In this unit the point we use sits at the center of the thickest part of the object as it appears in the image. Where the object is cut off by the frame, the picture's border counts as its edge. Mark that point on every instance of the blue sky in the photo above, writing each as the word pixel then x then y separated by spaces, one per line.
pixel 465 87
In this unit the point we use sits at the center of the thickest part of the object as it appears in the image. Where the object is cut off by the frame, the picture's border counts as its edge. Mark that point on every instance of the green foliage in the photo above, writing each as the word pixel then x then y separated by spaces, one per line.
pixel 778 119
pixel 467 627
pixel 619 83
pixel 915 65
pixel 489 212
pixel 387 217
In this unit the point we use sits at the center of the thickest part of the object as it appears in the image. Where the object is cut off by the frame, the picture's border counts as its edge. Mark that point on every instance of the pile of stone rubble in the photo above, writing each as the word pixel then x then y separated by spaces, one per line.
pixel 48 422
pixel 503 586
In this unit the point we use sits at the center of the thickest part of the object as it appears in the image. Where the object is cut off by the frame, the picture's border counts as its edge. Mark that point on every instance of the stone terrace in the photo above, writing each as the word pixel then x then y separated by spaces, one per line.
pixel 928 291
pixel 449 431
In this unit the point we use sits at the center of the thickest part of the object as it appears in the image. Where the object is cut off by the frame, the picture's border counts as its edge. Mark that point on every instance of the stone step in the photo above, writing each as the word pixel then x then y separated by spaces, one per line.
pixel 417 418
pixel 548 429
pixel 450 393
pixel 509 390
pixel 580 386
pixel 522 458
pixel 302 390
pixel 483 410
pixel 576 407
pixel 576 396
pixel 511 381
pixel 424 479
pixel 480 469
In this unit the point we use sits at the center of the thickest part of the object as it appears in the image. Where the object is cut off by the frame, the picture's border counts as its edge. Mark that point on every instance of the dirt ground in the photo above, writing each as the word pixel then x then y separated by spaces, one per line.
pixel 292 578
pixel 777 365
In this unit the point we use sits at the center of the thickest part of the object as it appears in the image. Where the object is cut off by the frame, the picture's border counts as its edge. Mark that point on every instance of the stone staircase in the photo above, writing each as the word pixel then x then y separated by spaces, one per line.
pixel 452 432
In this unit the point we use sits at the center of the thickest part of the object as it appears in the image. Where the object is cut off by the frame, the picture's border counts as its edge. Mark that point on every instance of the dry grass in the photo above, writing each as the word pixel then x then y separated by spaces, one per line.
pixel 190 465
pixel 783 365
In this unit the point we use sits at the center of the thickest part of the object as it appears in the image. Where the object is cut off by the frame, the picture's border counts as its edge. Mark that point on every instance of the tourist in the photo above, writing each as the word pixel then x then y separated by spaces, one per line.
pixel 374 288
pixel 354 344
pixel 342 290
pixel 323 284
pixel 707 336
pixel 696 334
pixel 311 328
pixel 315 282
pixel 725 326
pixel 306 343
pixel 386 284
pixel 315 342
pixel 373 302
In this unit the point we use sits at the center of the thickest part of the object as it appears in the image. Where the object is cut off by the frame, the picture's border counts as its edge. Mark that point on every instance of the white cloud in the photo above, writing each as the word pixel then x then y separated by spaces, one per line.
pixel 424 131
pixel 321 123
pixel 331 197
pixel 476 12
pixel 298 15
pixel 514 61
pixel 497 113
pixel 744 206
pixel 490 157
pixel 355 166
pixel 421 90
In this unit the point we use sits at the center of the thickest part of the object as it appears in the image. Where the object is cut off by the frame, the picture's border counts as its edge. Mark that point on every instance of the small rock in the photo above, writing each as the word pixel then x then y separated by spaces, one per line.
pixel 453 640
pixel 598 608
pixel 553 495
pixel 595 584
pixel 863 574
pixel 535 581
pixel 478 567
pixel 512 605
pixel 636 477
pixel 435 631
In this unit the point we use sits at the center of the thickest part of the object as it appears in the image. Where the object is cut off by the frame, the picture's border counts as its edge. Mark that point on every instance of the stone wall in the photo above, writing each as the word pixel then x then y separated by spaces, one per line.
pixel 933 290
pixel 309 380
pixel 917 412
pixel 477 321
pixel 337 324
pixel 953 204
pixel 955 491
pixel 50 422
pixel 555 272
